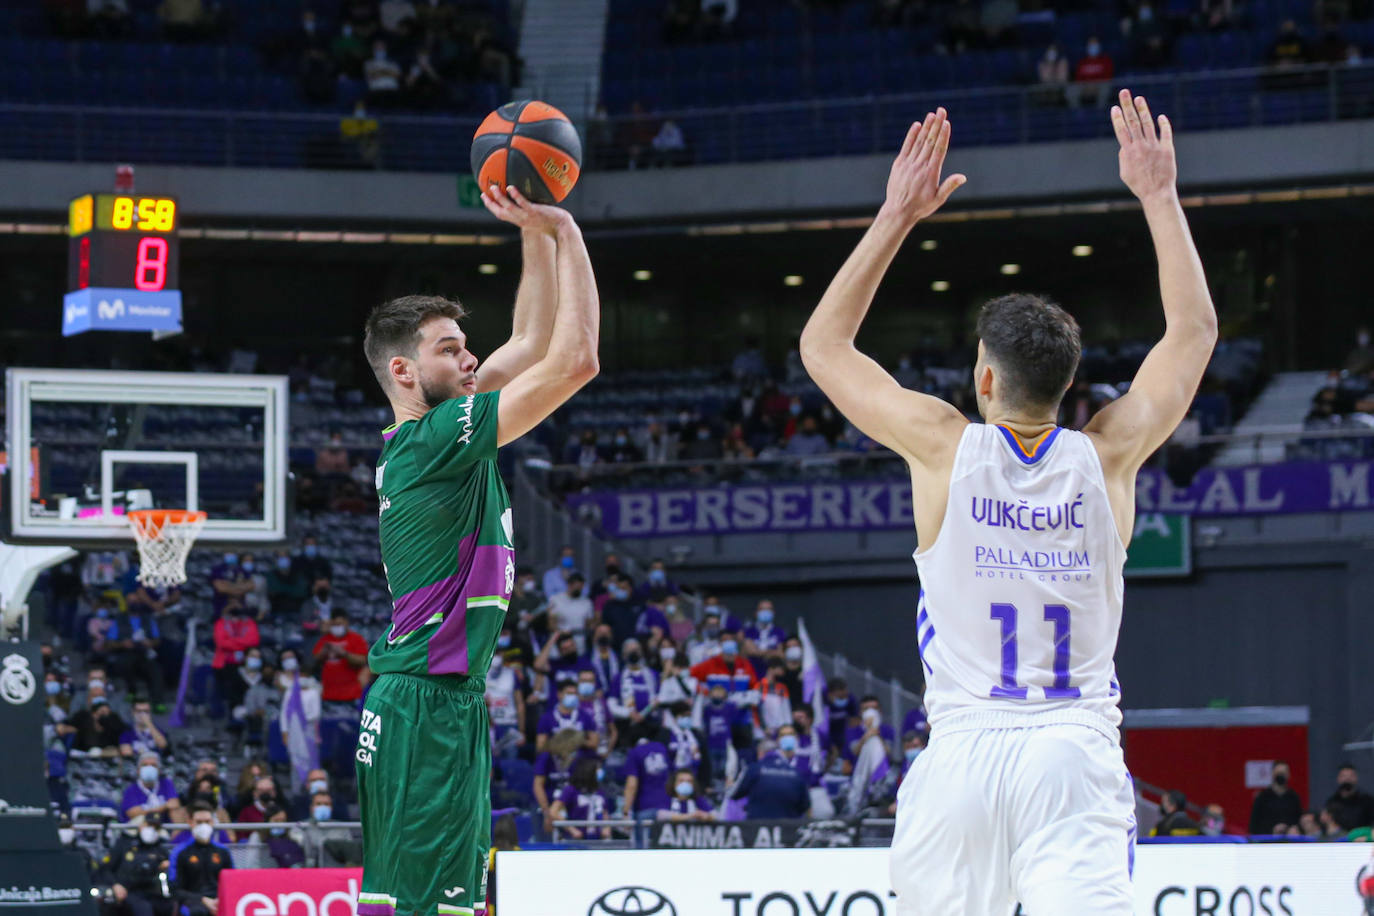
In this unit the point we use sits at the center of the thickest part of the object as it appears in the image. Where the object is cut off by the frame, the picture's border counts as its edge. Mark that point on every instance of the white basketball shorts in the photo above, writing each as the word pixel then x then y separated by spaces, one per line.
pixel 1044 816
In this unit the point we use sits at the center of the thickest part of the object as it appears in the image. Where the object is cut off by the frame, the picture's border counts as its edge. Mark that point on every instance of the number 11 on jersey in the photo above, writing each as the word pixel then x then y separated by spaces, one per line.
pixel 1010 688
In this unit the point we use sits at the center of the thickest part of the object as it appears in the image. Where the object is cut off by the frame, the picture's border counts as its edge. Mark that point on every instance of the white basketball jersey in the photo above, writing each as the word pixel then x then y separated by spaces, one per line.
pixel 1021 592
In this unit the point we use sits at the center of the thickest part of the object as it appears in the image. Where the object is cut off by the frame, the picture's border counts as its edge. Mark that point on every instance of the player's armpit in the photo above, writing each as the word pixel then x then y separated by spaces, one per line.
pixel 916 426
pixel 535 394
pixel 1128 430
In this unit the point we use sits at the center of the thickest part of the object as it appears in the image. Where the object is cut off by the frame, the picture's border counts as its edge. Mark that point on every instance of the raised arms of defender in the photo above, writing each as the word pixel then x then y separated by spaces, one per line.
pixel 570 359
pixel 917 426
pixel 1128 430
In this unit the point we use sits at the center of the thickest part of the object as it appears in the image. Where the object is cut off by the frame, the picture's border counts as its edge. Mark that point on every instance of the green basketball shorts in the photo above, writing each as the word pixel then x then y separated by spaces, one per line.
pixel 424 787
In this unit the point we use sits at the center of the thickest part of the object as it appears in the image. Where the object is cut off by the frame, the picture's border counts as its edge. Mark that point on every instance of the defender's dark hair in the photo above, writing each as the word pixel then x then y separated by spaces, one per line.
pixel 393 329
pixel 1034 343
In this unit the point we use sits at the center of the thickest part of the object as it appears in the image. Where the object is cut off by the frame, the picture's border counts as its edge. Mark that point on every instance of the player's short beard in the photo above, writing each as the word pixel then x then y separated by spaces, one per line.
pixel 434 395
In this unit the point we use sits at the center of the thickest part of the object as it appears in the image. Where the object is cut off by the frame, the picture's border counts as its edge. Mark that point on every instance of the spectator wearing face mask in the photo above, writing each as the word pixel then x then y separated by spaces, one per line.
pixel 279 841
pixel 314 565
pixel 246 676
pixel 687 804
pixel 293 674
pixel 144 736
pixel 556 576
pixel 1360 360
pixel 842 708
pixel 526 603
pixel 198 866
pixel 652 628
pixel 871 725
pixel 566 715
pixel 287 585
pixel 646 773
pixel 505 698
pixel 775 704
pixel 131 645
pixel 772 788
pixel 729 663
pixel 204 791
pixel 612 572
pixel 720 720
pixel 1092 75
pixel 559 662
pixel 265 801
pixel 342 655
pixel 808 743
pixel 792 672
pixel 571 611
pixel 1351 808
pixel 98 729
pixel 316 781
pixel 249 775
pixel 261 702
pixel 206 770
pixel 138 863
pixel 150 793
pixel 592 700
pixel 675 682
pixel 582 800
pixel 604 661
pixel 317 610
pixel 228 584
pixel 617 610
pixel 656 586
pixel 1277 807
pixel 685 744
pixel 764 639
pixel 235 634
pixel 255 603
pixel 632 694
pixel 97 627
pixel 680 624
pixel 706 643
pixel 1174 819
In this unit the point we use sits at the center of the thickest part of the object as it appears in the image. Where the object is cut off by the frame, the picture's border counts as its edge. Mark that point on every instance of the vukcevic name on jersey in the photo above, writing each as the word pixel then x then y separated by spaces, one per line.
pixel 447 542
pixel 1021 592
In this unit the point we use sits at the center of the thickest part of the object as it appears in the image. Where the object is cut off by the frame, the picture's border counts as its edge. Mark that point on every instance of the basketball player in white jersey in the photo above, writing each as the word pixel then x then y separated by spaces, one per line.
pixel 1022 528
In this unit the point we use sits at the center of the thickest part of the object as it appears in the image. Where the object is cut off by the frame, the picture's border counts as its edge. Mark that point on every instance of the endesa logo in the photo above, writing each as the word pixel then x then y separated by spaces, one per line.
pixel 1202 900
pixel 299 903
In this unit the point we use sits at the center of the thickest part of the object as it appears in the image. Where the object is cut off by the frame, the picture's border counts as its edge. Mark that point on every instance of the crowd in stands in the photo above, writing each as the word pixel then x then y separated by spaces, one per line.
pixel 745 422
pixel 1345 403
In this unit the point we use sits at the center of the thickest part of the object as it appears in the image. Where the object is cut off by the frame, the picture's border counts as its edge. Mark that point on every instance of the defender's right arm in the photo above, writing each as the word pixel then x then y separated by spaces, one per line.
pixel 571 360
pixel 1130 429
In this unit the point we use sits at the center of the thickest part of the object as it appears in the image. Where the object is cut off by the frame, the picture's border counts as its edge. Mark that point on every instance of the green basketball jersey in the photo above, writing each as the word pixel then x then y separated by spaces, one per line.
pixel 446 541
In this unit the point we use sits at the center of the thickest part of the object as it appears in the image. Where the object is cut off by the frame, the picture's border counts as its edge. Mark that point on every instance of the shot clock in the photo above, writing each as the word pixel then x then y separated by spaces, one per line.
pixel 122 264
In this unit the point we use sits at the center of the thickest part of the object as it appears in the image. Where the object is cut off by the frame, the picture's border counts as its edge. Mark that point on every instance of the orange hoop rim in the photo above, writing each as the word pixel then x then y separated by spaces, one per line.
pixel 156 518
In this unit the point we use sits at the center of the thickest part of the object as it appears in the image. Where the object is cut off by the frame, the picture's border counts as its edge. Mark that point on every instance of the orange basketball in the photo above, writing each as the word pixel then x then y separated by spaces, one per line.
pixel 530 145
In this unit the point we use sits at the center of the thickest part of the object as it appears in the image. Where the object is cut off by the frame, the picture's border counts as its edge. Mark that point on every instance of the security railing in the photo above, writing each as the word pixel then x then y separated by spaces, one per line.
pixel 801 128
pixel 312 836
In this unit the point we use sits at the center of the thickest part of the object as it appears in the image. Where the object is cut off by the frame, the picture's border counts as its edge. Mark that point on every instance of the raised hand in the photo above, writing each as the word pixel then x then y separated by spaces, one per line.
pixel 510 206
pixel 914 188
pixel 1147 159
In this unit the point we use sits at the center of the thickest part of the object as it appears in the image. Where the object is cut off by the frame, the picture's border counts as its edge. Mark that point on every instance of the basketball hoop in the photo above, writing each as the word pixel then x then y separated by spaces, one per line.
pixel 164 539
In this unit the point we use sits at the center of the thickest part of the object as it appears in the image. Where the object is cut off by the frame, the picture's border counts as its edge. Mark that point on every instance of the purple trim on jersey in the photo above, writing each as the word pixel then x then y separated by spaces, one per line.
pixel 387 435
pixel 922 619
pixel 481 573
pixel 1039 450
pixel 376 909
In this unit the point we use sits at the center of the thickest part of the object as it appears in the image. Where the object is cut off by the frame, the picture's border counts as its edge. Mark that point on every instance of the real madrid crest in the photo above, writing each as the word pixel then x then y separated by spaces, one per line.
pixel 17 685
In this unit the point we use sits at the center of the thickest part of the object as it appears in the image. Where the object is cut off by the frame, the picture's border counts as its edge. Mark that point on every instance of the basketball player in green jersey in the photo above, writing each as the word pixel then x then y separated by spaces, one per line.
pixel 423 757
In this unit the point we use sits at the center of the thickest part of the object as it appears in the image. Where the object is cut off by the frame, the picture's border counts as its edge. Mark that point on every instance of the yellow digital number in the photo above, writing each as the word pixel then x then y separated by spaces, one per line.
pixel 166 215
pixel 146 209
pixel 123 215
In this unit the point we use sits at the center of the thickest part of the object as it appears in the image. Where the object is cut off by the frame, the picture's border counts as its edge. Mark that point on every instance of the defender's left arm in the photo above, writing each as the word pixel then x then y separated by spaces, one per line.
pixel 536 301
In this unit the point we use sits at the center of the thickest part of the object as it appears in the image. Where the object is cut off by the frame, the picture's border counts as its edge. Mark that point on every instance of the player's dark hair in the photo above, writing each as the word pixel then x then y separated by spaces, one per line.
pixel 1034 344
pixel 393 329
pixel 1347 765
pixel 198 807
pixel 584 774
pixel 504 833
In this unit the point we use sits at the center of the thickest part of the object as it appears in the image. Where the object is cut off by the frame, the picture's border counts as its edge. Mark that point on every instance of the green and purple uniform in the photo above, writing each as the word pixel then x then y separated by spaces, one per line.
pixel 424 755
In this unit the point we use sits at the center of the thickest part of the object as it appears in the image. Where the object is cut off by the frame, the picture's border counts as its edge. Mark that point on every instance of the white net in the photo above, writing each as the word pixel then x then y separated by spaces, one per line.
pixel 164 540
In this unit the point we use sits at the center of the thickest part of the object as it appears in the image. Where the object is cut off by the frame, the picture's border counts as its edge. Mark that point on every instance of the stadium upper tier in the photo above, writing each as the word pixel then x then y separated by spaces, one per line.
pixel 784 83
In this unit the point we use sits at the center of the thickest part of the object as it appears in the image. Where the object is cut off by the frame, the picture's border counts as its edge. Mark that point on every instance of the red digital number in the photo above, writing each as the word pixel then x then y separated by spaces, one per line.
pixel 150 271
pixel 83 264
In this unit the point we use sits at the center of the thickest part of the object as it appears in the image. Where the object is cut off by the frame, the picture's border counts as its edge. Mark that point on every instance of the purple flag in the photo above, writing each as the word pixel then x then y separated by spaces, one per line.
pixel 178 716
pixel 813 686
pixel 300 740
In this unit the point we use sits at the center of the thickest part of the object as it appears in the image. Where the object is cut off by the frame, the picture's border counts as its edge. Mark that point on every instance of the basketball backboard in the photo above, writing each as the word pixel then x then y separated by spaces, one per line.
pixel 86 446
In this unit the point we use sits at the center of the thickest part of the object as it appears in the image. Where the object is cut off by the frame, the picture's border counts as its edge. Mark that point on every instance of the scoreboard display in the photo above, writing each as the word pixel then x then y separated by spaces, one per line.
pixel 123 259
pixel 122 241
